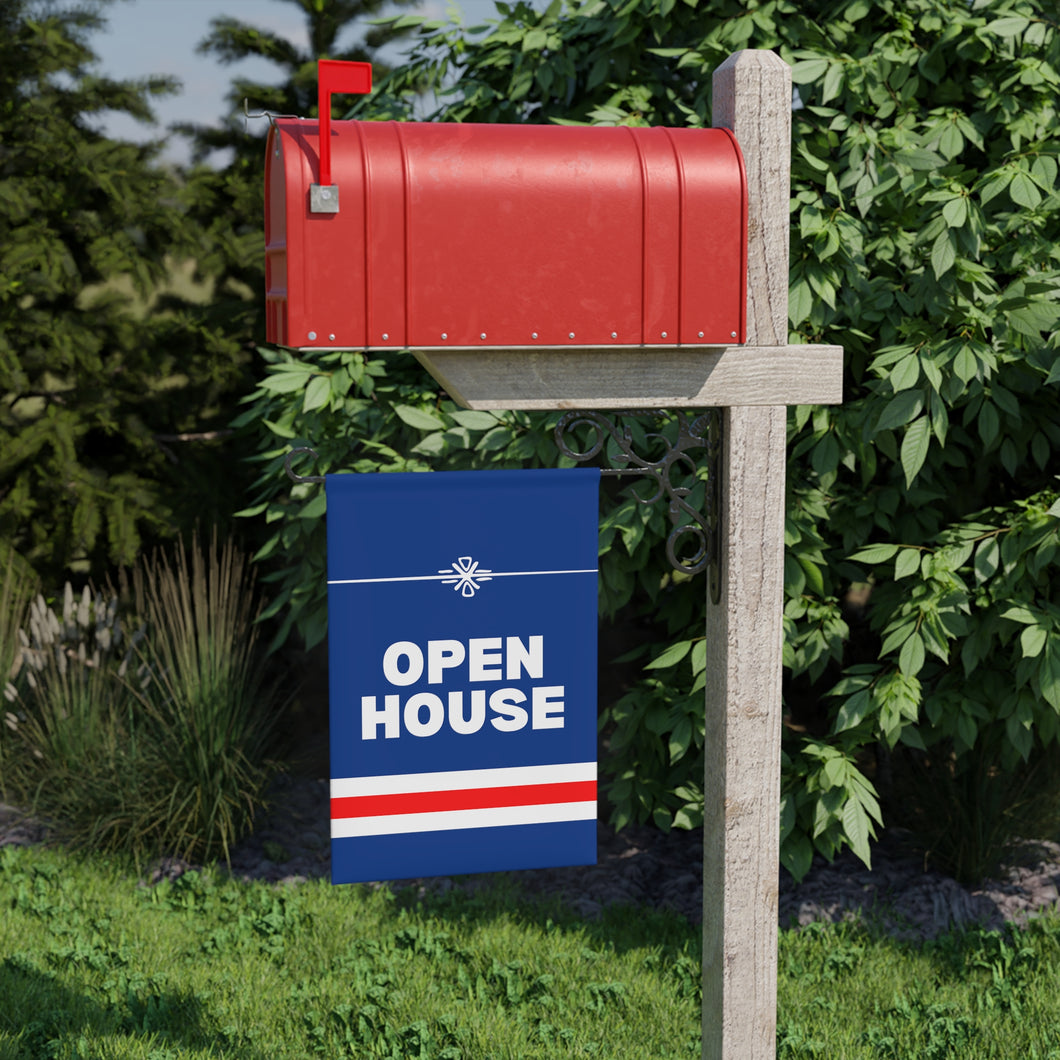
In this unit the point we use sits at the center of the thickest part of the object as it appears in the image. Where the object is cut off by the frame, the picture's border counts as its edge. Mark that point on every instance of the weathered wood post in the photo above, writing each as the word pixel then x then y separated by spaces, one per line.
pixel 744 631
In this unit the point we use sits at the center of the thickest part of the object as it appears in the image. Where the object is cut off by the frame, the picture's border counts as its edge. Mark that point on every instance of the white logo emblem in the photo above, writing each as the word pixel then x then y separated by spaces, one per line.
pixel 466 576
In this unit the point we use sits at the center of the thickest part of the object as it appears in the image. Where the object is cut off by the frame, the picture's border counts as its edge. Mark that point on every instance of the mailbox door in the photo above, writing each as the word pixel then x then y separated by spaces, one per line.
pixel 462 236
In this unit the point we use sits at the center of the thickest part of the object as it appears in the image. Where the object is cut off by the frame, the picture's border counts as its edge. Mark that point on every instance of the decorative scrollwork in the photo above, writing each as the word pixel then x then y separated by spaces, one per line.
pixel 616 442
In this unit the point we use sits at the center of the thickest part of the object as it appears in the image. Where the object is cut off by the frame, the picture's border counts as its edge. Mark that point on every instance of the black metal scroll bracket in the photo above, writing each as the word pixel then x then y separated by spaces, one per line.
pixel 704 432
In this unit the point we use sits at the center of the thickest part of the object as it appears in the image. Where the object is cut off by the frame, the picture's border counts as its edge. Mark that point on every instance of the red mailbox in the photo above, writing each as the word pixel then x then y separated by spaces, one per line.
pixel 427 235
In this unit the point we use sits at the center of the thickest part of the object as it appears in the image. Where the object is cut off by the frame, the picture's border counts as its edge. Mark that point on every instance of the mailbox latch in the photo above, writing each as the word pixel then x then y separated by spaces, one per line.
pixel 323 198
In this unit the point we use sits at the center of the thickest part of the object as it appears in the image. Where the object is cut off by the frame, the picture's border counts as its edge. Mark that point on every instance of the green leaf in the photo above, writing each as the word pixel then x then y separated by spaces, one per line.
pixel 680 740
pixel 1049 674
pixel 535 40
pixel 1032 641
pixel 987 558
pixel 674 654
pixel 431 444
pixel 911 657
pixel 833 82
pixel 943 253
pixel 800 302
pixel 900 410
pixel 807 70
pixel 856 827
pixel 1024 191
pixel 989 424
pixel 796 855
pixel 905 373
pixel 967 729
pixel 875 553
pixel 787 816
pixel 854 710
pixel 920 158
pixel 317 394
pixel 966 365
pixel 315 507
pixel 915 447
pixel 956 212
pixel 825 456
pixel 699 656
pixel 285 382
pixel 814 577
pixel 907 562
pixel 1011 26
pixel 419 419
pixel 834 771
pixel 474 419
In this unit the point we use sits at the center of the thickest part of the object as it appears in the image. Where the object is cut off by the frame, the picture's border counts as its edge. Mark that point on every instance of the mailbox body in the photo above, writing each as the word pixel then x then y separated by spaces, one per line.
pixel 463 235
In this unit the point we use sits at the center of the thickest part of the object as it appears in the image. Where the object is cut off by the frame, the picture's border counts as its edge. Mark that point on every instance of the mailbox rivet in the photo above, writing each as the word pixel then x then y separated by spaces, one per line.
pixel 312 336
pixel 733 333
pixel 385 336
pixel 701 334
pixel 445 335
pixel 614 334
pixel 533 334
pixel 483 335
pixel 331 338
pixel 663 334
pixel 571 335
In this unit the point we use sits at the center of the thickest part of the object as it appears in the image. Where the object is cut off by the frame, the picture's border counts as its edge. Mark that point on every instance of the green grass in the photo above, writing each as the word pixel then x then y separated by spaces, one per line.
pixel 976 995
pixel 93 965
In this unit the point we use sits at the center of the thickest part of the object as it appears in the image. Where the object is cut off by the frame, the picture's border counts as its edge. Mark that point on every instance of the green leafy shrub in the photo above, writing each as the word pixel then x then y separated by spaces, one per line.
pixel 926 228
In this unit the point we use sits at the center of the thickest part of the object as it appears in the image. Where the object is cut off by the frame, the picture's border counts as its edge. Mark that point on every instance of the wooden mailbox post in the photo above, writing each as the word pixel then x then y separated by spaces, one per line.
pixel 751 382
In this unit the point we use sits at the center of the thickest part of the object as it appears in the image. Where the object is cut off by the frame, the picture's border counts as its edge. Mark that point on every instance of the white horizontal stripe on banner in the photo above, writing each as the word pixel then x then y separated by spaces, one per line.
pixel 485 576
pixel 447 820
pixel 456 779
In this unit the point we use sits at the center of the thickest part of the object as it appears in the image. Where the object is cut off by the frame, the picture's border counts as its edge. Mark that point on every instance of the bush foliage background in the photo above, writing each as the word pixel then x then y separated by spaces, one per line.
pixel 922 605
pixel 926 240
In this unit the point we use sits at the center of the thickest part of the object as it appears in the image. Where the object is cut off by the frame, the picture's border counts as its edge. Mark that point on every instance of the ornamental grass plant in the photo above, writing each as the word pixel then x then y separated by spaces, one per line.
pixel 212 709
pixel 146 744
pixel 74 751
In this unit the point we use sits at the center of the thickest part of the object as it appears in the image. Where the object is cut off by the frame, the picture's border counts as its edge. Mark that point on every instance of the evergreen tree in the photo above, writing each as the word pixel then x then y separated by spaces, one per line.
pixel 94 391
pixel 229 201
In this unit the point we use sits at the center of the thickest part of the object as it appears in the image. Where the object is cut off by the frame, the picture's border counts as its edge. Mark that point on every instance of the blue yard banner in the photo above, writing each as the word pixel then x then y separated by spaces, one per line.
pixel 462 645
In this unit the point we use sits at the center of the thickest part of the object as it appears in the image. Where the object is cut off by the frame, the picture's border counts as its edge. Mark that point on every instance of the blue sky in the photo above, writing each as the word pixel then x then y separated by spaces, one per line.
pixel 145 37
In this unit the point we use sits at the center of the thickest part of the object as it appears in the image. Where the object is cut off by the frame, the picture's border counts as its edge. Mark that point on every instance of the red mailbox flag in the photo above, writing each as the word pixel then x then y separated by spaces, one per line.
pixel 334 76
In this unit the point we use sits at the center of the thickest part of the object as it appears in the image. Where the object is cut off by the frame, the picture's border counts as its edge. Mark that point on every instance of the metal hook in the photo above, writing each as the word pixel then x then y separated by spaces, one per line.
pixel 299 479
pixel 270 114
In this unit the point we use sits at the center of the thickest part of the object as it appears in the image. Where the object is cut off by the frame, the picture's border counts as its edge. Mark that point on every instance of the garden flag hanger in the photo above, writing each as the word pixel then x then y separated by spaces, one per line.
pixel 462 646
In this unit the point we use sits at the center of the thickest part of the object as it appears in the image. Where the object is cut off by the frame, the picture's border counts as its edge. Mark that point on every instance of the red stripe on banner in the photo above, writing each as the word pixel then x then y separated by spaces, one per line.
pixel 462 799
